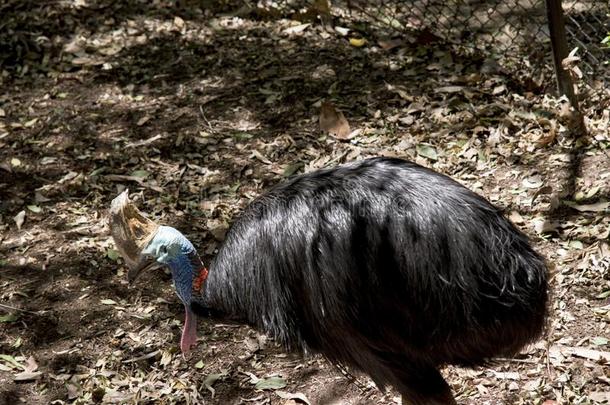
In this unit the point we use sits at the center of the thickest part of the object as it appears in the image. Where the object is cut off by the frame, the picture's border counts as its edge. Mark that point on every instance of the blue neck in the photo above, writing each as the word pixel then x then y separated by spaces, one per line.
pixel 182 272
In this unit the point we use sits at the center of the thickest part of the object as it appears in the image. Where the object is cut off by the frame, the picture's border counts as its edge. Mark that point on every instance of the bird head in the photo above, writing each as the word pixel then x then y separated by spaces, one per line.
pixel 145 245
pixel 171 249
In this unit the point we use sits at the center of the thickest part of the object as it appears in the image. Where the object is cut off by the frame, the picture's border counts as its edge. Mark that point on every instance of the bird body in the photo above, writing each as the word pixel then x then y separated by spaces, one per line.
pixel 381 265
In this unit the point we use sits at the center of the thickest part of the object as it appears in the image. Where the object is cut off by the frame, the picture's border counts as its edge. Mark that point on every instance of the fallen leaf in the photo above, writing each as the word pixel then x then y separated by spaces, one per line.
pixel 141 174
pixel 515 217
pixel 542 225
pixel 113 254
pixel 592 191
pixel 596 207
pixel 449 89
pixel 599 396
pixel 390 44
pixel 27 376
pixel 507 375
pixel 9 318
pixel 142 120
pixel 541 191
pixel 342 30
pixel 19 219
pixel 599 341
pixel 603 295
pixel 86 61
pixel 357 42
pixel 11 361
pixel 260 157
pixel 15 162
pixel 31 123
pixel 35 209
pixel 31 365
pixel 333 121
pixel 199 364
pixel 426 151
pixel 292 169
pixel 549 137
pixel 178 22
pixel 166 358
pixel 498 90
pixel 108 302
pixel 589 354
pixel 271 383
pixel 532 182
pixel 17 344
pixel 289 395
pixel 212 378
pixel 296 29
pixel 74 389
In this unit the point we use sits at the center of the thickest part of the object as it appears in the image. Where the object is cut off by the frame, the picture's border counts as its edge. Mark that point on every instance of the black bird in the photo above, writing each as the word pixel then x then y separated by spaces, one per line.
pixel 380 265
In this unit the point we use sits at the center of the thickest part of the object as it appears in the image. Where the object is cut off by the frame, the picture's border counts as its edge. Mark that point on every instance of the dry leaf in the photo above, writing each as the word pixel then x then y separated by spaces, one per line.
pixel 178 22
pixel 341 30
pixel 333 121
pixel 427 151
pixel 515 217
pixel 600 396
pixel 590 354
pixel 357 42
pixel 31 365
pixel 542 191
pixel 19 219
pixel 296 29
pixel 548 138
pixel 449 89
pixel 595 207
pixel 289 395
pixel 532 182
pixel 260 157
pixel 142 120
pixel 27 376
pixel 390 44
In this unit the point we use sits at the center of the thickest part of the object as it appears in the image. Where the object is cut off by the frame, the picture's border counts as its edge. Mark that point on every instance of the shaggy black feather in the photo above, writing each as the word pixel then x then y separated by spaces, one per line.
pixel 384 266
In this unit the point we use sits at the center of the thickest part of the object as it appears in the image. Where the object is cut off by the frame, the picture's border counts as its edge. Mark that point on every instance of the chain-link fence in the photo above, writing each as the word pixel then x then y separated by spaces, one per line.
pixel 513 31
pixel 511 27
pixel 587 23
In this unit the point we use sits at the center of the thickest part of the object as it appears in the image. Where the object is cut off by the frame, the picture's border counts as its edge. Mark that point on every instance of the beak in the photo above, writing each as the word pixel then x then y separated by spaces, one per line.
pixel 146 262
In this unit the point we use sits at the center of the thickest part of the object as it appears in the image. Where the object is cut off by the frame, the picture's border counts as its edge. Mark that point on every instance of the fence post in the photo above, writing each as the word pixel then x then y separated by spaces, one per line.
pixel 559 44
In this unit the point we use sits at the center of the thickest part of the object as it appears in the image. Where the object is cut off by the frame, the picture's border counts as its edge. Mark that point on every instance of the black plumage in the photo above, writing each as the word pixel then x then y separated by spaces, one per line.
pixel 386 267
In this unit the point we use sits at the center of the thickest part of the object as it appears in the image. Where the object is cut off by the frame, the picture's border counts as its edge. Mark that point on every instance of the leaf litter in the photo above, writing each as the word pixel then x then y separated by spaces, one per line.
pixel 198 113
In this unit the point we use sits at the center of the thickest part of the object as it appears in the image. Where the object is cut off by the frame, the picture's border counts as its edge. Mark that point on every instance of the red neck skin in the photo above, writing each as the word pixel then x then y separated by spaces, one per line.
pixel 189 331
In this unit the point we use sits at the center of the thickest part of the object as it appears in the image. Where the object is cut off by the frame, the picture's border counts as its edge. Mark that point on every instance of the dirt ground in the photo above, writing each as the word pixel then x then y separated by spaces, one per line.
pixel 197 112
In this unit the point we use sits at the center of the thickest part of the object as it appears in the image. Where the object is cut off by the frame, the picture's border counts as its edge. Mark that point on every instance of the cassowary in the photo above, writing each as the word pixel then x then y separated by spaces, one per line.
pixel 381 265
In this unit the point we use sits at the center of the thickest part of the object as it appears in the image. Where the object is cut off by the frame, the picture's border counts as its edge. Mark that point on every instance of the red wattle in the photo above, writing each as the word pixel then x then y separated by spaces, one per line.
pixel 189 331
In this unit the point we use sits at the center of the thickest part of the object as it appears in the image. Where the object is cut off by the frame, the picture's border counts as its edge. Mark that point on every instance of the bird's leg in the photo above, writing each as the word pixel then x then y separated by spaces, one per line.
pixel 426 387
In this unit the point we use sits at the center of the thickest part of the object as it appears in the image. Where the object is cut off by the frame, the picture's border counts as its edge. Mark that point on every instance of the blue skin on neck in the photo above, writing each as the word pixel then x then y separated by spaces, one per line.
pixel 171 248
pixel 182 273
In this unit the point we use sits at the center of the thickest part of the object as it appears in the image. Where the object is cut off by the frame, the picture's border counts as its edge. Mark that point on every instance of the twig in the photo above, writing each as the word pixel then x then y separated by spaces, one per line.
pixel 144 357
pixel 21 310
pixel 205 119
pixel 144 142
pixel 526 361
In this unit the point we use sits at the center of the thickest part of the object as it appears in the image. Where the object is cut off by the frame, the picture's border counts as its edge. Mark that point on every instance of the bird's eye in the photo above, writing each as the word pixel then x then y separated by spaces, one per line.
pixel 163 249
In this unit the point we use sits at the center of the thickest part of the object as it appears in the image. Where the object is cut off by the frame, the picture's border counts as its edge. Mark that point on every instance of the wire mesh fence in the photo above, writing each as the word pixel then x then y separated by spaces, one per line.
pixel 511 27
pixel 587 23
pixel 515 32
